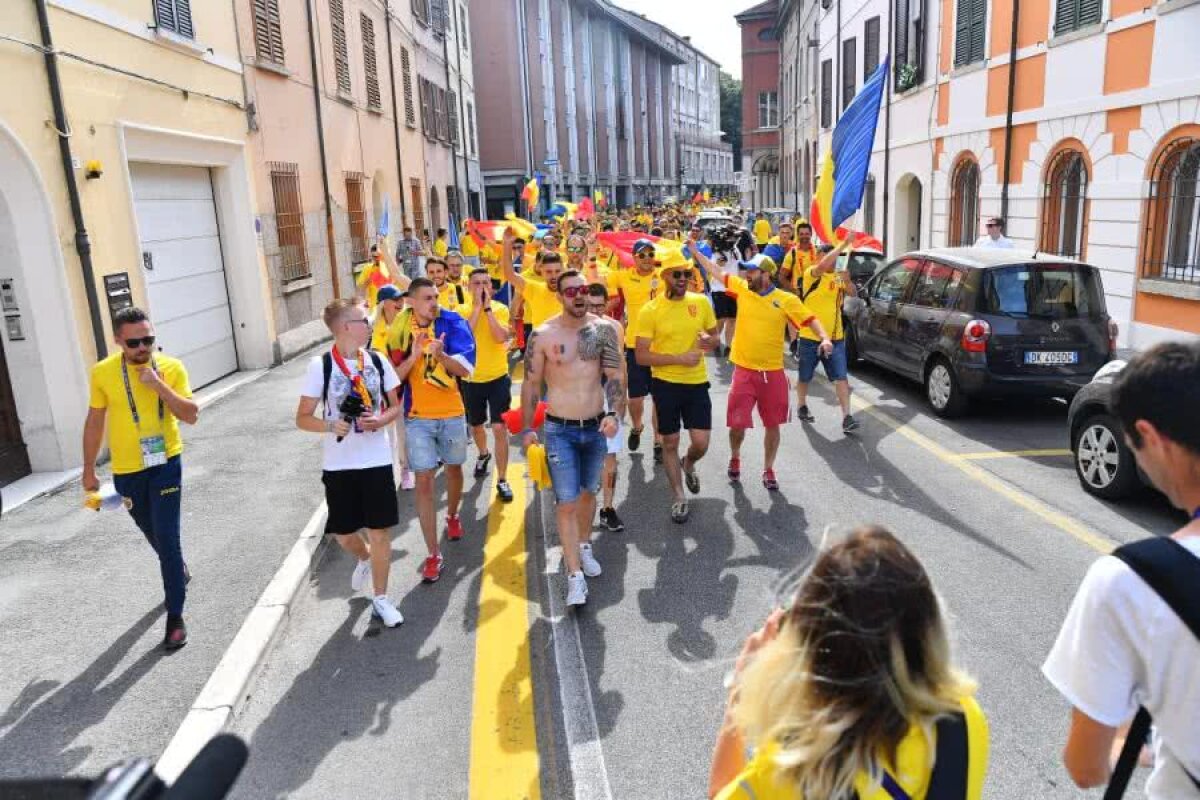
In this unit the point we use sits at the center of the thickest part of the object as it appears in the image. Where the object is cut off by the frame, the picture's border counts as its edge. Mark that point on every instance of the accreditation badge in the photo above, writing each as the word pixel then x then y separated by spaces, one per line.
pixel 154 451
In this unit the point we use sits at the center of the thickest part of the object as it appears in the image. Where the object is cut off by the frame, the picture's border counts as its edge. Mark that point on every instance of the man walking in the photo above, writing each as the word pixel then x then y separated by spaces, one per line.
pixel 148 394
pixel 675 330
pixel 822 289
pixel 994 238
pixel 408 253
pixel 597 305
pixel 572 354
pixel 360 488
pixel 433 349
pixel 540 296
pixel 390 303
pixel 637 286
pixel 487 392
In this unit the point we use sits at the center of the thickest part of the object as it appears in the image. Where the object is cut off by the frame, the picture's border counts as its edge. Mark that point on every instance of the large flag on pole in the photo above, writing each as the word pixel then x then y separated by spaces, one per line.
pixel 844 171
pixel 385 219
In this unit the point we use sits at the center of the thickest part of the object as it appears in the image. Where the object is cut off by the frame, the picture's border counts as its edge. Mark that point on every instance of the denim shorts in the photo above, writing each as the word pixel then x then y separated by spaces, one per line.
pixel 432 440
pixel 835 363
pixel 575 458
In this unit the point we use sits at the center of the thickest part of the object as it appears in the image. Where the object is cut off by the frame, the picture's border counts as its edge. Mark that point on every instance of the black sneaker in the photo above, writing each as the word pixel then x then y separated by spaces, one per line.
pixel 610 521
pixel 176 636
pixel 804 415
pixel 504 491
pixel 691 479
pixel 849 424
pixel 482 463
pixel 658 456
pixel 635 438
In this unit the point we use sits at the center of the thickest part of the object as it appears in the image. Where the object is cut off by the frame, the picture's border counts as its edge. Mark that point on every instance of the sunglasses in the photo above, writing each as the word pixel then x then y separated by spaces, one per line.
pixel 993 225
pixel 571 292
pixel 678 275
pixel 644 254
pixel 134 344
pixel 575 249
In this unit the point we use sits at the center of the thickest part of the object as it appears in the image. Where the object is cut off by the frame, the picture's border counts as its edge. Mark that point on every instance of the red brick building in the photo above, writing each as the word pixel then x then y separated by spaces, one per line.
pixel 760 104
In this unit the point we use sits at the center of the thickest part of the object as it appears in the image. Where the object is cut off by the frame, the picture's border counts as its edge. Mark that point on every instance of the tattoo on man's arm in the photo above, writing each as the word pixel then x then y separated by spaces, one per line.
pixel 530 350
pixel 599 342
pixel 614 392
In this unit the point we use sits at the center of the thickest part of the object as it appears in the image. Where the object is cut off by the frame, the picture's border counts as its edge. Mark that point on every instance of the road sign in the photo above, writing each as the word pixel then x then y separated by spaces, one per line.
pixel 551 162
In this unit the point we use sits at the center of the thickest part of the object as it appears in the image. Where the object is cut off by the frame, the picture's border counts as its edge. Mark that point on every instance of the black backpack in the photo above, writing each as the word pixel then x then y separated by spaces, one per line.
pixel 327 372
pixel 951 754
pixel 1173 573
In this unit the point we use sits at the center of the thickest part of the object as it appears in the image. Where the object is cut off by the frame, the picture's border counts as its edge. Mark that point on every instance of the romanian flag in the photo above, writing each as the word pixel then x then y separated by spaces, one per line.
pixel 373 277
pixel 697 198
pixel 524 228
pixel 844 171
pixel 586 210
pixel 491 231
pixel 530 194
pixel 668 252
pixel 562 210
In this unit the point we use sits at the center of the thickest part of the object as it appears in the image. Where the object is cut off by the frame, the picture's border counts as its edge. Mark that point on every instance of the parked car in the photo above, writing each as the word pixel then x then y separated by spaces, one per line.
pixel 969 322
pixel 863 265
pixel 1104 464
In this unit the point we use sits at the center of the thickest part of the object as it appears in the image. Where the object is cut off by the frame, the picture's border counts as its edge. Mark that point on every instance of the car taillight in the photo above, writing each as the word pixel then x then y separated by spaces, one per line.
pixel 975 336
pixel 1113 330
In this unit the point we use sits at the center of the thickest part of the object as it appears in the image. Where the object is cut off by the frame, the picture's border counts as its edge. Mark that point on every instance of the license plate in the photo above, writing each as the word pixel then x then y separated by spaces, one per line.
pixel 1051 358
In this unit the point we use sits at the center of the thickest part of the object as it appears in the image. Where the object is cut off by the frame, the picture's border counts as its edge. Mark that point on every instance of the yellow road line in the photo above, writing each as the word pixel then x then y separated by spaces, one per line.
pixel 990 454
pixel 504 755
pixel 1059 520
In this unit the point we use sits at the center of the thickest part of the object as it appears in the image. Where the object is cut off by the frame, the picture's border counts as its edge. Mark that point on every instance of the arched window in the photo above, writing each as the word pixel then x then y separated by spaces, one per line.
pixel 1173 251
pixel 1064 204
pixel 964 203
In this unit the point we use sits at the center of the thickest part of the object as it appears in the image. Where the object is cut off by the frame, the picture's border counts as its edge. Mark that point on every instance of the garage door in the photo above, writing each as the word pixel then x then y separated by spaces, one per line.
pixel 183 269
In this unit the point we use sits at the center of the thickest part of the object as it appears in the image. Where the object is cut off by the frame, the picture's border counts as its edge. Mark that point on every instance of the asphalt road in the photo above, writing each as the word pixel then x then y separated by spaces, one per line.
pixel 343 709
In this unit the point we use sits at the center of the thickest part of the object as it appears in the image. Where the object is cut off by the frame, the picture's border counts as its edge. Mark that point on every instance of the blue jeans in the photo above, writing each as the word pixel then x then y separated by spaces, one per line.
pixel 432 440
pixel 575 458
pixel 155 494
pixel 835 364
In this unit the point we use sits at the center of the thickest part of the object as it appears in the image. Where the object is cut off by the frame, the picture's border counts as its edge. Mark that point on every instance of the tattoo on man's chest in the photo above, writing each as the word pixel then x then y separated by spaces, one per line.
pixel 599 343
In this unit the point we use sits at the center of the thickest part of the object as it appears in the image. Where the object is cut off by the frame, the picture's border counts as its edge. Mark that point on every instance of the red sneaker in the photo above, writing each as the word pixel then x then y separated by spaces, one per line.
pixel 431 570
pixel 735 469
pixel 454 529
pixel 769 480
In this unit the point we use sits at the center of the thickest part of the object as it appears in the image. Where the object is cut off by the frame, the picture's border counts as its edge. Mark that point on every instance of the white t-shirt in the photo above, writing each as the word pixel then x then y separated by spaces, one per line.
pixel 1121 647
pixel 1001 243
pixel 360 449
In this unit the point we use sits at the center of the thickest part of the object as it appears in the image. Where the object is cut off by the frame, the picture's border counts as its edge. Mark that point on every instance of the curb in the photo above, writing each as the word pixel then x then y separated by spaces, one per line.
pixel 225 690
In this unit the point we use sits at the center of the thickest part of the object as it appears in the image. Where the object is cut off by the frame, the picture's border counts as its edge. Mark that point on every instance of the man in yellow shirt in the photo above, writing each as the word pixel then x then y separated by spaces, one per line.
pixel 487 392
pixel 822 289
pixel 796 261
pixel 764 312
pixel 450 295
pixel 391 303
pixel 454 269
pixel 540 296
pixel 762 231
pixel 148 394
pixel 441 245
pixel 470 249
pixel 675 331
pixel 637 286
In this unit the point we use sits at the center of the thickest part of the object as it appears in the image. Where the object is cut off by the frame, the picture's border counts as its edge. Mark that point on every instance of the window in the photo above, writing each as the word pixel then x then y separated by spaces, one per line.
pixel 435 210
pixel 439 113
pixel 827 93
pixel 451 206
pixel 420 9
pixel 174 16
pixel 937 286
pixel 870 48
pixel 410 114
pixel 268 38
pixel 417 201
pixel 452 116
pixel 370 68
pixel 1071 15
pixel 357 216
pixel 969 31
pixel 849 62
pixel 428 123
pixel 471 127
pixel 1064 204
pixel 1173 243
pixel 909 63
pixel 1048 291
pixel 341 55
pixel 289 221
pixel 768 109
pixel 869 205
pixel 893 281
pixel 964 204
pixel 462 29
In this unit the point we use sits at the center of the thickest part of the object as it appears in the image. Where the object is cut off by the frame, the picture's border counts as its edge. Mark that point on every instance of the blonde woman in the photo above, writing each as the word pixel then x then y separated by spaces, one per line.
pixel 851 693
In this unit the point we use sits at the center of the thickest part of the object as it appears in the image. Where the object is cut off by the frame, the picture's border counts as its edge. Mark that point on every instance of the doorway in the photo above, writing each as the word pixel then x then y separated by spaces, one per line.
pixel 907 226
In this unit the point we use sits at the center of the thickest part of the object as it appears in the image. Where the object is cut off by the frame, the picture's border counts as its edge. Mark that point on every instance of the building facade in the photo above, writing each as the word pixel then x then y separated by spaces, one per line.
pixel 587 95
pixel 147 155
pixel 760 105
pixel 799 32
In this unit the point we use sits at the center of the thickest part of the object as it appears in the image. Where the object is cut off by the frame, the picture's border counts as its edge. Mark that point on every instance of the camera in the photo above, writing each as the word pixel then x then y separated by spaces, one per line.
pixel 723 238
pixel 351 409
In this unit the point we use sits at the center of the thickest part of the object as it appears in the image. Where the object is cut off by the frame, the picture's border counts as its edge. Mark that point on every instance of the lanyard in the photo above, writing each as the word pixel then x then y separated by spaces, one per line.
pixel 356 381
pixel 137 420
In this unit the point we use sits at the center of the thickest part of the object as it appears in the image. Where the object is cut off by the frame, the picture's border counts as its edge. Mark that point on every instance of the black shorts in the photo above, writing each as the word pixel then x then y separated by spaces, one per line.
pixel 360 498
pixel 639 376
pixel 677 405
pixel 724 306
pixel 488 400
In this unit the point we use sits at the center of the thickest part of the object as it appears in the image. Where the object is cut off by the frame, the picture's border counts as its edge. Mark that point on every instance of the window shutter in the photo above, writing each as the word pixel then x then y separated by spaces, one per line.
pixel 164 14
pixel 978 28
pixel 826 93
pixel 426 108
pixel 183 19
pixel 443 132
pixel 901 33
pixel 410 114
pixel 1089 12
pixel 370 67
pixel 452 110
pixel 420 9
pixel 849 62
pixel 870 48
pixel 268 36
pixel 471 127
pixel 1065 17
pixel 341 55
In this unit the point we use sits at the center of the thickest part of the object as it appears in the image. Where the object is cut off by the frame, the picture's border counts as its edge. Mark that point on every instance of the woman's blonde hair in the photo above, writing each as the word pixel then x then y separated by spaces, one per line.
pixel 860 657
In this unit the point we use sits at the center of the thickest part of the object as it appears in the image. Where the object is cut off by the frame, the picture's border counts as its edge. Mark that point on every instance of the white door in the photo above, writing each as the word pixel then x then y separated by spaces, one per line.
pixel 183 269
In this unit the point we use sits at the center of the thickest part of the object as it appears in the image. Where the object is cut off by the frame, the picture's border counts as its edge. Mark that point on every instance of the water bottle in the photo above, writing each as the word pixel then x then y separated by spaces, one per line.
pixel 107 499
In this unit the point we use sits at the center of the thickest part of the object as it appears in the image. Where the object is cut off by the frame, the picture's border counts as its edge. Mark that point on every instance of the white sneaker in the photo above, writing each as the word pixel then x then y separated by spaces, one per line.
pixel 407 480
pixel 360 579
pixel 386 611
pixel 591 567
pixel 576 589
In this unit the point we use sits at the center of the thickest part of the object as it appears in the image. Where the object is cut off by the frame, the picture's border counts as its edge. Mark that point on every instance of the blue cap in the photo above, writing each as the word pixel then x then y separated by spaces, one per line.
pixel 389 292
pixel 641 244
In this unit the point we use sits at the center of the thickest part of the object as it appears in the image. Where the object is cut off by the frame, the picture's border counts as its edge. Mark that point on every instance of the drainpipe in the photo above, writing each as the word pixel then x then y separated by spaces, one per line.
pixel 83 245
pixel 462 113
pixel 316 79
pixel 887 133
pixel 387 17
pixel 1008 116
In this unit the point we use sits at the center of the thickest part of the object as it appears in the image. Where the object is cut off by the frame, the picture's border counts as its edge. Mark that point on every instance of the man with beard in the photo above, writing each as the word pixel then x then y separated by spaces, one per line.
pixel 573 354
pixel 487 393
pixel 540 296
pixel 450 295
pixel 637 286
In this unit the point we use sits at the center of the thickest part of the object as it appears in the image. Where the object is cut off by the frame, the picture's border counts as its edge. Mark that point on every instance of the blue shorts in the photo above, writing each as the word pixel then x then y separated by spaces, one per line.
pixel 835 363
pixel 575 459
pixel 432 440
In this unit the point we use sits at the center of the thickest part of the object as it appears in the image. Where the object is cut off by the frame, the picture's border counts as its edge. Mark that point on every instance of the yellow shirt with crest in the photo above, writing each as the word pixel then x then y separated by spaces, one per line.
pixel 124 436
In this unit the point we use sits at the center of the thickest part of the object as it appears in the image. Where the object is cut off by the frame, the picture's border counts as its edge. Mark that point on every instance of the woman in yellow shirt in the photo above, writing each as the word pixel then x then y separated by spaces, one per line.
pixel 852 690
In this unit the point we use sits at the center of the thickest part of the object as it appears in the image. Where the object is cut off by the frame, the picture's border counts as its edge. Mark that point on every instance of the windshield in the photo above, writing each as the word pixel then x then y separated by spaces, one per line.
pixel 1050 291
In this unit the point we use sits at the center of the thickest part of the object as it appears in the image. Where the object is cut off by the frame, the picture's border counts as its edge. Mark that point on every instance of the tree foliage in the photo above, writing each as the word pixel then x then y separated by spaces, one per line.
pixel 731 115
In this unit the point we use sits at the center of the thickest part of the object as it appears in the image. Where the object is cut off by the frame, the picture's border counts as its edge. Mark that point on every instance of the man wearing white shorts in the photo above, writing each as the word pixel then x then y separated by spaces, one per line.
pixel 597 302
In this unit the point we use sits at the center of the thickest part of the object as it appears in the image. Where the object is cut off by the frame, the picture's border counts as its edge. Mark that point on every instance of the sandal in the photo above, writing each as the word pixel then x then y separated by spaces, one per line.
pixel 679 512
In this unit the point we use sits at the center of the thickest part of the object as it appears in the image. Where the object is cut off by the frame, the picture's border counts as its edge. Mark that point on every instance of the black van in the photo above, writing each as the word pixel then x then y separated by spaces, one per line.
pixel 977 321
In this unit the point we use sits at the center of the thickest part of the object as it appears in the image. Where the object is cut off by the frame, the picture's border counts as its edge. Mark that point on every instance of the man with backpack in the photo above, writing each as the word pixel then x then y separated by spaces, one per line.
pixel 358 394
pixel 822 289
pixel 1132 635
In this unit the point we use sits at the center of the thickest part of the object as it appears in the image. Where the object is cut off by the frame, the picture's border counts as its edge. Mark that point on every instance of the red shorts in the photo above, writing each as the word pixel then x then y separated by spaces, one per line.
pixel 750 388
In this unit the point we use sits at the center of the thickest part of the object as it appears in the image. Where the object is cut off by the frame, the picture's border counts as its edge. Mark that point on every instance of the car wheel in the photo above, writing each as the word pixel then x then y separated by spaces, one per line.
pixel 1105 466
pixel 942 390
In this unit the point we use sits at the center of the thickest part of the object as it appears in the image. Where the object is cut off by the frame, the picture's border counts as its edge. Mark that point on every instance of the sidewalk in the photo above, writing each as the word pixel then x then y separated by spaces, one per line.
pixel 83 683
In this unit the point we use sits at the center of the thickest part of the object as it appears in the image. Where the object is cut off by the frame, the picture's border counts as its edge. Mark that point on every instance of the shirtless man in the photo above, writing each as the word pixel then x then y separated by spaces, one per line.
pixel 570 353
